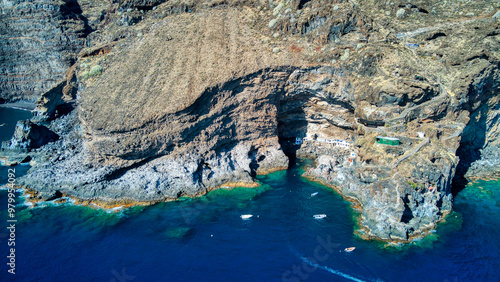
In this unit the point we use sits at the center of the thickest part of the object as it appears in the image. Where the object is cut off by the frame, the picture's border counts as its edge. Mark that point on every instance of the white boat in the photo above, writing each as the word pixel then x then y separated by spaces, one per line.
pixel 319 216
pixel 314 194
pixel 350 249
pixel 246 216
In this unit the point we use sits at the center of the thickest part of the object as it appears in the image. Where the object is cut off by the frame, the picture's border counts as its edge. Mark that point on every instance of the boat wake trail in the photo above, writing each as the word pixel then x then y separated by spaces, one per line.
pixel 333 271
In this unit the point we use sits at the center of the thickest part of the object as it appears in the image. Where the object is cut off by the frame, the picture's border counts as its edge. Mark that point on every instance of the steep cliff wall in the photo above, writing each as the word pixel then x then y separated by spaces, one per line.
pixel 39 42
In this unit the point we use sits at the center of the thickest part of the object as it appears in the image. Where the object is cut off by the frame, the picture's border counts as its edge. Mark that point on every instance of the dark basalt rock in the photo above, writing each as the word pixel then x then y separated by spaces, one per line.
pixel 40 41
pixel 29 135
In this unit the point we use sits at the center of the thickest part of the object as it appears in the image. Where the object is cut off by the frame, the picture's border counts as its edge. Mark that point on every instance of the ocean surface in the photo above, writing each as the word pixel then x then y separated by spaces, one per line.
pixel 205 239
pixel 9 118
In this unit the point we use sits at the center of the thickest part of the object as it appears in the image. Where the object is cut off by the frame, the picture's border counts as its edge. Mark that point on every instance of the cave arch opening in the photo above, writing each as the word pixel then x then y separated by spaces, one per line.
pixel 292 123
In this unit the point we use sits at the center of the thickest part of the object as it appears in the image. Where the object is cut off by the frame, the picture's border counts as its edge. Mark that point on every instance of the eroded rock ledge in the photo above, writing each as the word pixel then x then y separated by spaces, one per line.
pixel 176 99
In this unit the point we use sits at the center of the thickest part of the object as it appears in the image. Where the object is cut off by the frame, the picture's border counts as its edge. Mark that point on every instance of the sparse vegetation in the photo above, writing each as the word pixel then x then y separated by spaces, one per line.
pixel 412 184
pixel 85 74
pixel 94 71
pixel 362 141
pixel 415 186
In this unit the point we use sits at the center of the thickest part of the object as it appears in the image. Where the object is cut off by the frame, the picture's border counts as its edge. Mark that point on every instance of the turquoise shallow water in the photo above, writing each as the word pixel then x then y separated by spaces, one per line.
pixel 205 239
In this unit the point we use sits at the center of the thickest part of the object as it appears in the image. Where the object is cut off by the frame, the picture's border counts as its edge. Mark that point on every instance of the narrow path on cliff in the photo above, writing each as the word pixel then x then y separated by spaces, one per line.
pixel 413 33
pixel 402 118
pixel 412 152
pixel 419 63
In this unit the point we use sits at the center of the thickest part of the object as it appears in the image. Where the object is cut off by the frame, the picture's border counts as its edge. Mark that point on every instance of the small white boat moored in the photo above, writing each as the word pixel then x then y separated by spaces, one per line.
pixel 314 194
pixel 319 216
pixel 350 249
pixel 246 216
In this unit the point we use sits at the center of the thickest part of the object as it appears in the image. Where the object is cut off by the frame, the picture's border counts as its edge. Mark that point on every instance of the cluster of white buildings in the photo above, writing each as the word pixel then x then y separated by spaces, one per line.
pixel 334 142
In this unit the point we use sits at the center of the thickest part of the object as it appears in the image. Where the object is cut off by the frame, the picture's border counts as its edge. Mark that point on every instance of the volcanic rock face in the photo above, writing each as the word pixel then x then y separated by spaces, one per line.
pixel 480 149
pixel 177 98
pixel 227 136
pixel 39 42
pixel 28 135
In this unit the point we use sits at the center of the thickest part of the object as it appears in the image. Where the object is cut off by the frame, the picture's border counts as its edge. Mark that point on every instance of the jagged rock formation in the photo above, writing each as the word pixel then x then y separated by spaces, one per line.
pixel 59 100
pixel 180 97
pixel 28 135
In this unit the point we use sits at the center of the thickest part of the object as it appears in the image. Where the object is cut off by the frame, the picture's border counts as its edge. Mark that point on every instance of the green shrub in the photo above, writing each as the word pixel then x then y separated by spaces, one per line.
pixel 413 185
pixel 95 70
pixel 85 74
pixel 362 141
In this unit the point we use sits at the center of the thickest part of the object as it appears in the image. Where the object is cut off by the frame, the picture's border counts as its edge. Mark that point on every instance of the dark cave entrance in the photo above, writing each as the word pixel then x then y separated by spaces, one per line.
pixel 407 213
pixel 467 157
pixel 473 140
pixel 292 125
pixel 482 103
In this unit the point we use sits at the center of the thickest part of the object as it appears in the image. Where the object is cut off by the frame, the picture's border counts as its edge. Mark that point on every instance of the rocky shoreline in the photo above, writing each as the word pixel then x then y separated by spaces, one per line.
pixel 179 99
pixel 365 232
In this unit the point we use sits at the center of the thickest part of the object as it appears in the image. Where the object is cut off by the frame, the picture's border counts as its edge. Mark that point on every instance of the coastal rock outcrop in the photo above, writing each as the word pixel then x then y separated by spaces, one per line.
pixel 176 98
pixel 29 135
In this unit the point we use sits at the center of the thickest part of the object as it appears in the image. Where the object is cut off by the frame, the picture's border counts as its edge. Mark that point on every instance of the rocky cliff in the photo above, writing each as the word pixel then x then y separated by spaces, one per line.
pixel 39 41
pixel 175 98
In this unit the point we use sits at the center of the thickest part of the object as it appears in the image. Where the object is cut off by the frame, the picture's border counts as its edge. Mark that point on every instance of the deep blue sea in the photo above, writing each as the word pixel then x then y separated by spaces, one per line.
pixel 205 239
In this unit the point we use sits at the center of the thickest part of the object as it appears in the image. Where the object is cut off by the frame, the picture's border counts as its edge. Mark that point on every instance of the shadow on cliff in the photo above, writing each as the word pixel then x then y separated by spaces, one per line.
pixel 473 140
pixel 482 91
pixel 217 111
pixel 230 89
pixel 292 124
pixel 72 10
pixel 290 117
pixel 221 118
